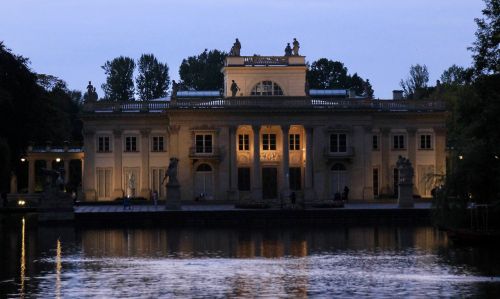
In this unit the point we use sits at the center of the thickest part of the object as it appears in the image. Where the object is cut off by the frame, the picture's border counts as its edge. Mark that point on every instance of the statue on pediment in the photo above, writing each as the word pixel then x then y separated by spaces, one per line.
pixel 235 49
pixel 288 50
pixel 91 94
pixel 296 47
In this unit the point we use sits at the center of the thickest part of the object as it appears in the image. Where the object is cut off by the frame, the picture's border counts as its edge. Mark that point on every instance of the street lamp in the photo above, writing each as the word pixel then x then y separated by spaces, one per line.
pixel 58 160
pixel 23 160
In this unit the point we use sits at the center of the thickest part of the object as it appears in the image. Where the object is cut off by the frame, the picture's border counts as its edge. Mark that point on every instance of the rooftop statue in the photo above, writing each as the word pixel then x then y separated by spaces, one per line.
pixel 235 49
pixel 91 94
pixel 288 50
pixel 296 47
pixel 175 89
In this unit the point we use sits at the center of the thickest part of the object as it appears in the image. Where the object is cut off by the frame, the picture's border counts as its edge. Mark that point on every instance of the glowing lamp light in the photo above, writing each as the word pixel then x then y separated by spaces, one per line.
pixel 23 159
pixel 21 202
pixel 58 160
pixel 461 157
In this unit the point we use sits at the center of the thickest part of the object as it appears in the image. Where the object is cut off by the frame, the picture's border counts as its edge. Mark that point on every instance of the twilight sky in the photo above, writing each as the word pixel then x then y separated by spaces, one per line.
pixel 377 39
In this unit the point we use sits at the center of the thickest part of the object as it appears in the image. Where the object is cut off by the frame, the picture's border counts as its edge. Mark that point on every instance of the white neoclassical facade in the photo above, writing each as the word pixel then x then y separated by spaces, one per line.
pixel 267 141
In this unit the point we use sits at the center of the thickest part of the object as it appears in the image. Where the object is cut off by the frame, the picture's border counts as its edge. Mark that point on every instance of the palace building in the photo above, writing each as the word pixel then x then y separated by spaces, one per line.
pixel 270 139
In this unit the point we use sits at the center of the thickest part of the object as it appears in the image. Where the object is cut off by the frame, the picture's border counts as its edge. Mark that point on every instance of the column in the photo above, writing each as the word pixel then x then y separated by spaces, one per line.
pixel 412 153
pixel 89 188
pixel 385 175
pixel 285 161
pixel 439 150
pixel 145 191
pixel 31 175
pixel 309 185
pixel 367 163
pixel 66 171
pixel 117 171
pixel 48 164
pixel 256 173
pixel 233 169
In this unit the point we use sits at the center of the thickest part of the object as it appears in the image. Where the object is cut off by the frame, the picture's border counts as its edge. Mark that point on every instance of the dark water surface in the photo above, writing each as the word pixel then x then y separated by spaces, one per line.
pixel 376 262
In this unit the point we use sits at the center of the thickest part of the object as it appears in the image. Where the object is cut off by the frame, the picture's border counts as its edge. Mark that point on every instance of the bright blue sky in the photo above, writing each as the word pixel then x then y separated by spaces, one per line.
pixel 377 39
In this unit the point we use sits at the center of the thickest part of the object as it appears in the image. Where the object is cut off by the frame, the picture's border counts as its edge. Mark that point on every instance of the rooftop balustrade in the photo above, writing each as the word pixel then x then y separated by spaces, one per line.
pixel 257 103
pixel 258 60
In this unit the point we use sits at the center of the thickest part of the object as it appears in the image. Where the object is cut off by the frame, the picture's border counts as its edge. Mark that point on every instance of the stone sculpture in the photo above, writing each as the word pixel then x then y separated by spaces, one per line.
pixel 235 49
pixel 234 89
pixel 296 47
pixel 288 50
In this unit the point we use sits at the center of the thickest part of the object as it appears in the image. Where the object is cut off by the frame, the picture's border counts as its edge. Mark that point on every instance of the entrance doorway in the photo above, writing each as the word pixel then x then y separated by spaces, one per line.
pixel 269 182
pixel 203 182
pixel 338 179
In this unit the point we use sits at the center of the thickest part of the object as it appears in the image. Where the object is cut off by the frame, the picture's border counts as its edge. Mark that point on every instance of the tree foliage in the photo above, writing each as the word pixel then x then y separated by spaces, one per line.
pixel 32 108
pixel 486 50
pixel 203 72
pixel 416 84
pixel 152 80
pixel 456 75
pixel 119 86
pixel 328 74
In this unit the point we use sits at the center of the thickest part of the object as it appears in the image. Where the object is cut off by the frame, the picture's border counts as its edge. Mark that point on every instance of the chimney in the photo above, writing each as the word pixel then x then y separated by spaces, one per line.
pixel 66 145
pixel 48 145
pixel 397 94
pixel 352 93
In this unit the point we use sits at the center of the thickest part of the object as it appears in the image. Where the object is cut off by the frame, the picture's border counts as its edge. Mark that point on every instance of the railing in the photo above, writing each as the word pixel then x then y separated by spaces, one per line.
pixel 194 153
pixel 265 60
pixel 282 103
pixel 138 106
pixel 349 152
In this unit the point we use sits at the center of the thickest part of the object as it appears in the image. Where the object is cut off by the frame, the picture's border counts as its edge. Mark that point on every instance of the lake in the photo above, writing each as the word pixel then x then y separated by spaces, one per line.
pixel 135 262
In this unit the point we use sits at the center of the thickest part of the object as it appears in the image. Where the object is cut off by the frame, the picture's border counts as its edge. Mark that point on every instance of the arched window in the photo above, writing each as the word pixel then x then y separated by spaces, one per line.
pixel 267 88
pixel 203 168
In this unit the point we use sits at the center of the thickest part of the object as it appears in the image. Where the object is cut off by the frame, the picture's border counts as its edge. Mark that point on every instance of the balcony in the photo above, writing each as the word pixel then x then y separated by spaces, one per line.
pixel 349 153
pixel 196 154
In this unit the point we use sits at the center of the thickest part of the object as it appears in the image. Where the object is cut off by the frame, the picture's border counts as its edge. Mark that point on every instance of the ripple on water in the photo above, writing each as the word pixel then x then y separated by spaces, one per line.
pixel 349 274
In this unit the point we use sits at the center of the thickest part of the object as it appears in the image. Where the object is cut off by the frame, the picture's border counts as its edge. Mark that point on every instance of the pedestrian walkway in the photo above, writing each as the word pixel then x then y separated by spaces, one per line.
pixel 229 207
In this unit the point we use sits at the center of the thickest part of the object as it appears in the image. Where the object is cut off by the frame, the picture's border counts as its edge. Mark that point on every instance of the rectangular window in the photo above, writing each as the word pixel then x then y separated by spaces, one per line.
pixel 294 142
pixel 103 144
pixel 131 144
pixel 295 178
pixel 157 175
pixel 158 144
pixel 396 181
pixel 203 143
pixel 375 142
pixel 243 142
pixel 398 142
pixel 338 143
pixel 375 182
pixel 104 177
pixel 269 142
pixel 425 141
pixel 244 179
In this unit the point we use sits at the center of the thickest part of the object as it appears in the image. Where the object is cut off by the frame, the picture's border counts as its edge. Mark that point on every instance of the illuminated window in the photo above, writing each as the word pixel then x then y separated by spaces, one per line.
pixel 243 142
pixel 267 88
pixel 294 142
pixel 269 142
